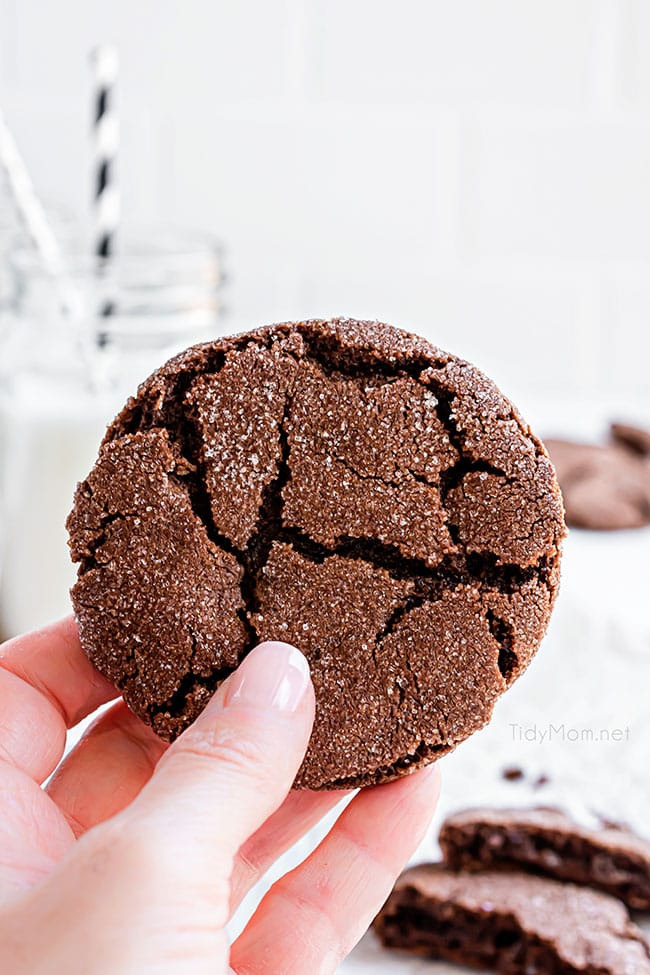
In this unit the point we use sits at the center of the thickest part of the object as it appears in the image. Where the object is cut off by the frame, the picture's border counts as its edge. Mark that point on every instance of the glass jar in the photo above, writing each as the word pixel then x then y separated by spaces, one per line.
pixel 72 353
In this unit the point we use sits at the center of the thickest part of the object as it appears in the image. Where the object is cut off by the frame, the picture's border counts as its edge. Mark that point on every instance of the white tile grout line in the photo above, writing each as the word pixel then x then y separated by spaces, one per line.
pixel 295 53
pixel 605 55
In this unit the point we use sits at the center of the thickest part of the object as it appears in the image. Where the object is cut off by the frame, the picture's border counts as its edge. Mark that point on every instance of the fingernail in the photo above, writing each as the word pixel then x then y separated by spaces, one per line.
pixel 273 676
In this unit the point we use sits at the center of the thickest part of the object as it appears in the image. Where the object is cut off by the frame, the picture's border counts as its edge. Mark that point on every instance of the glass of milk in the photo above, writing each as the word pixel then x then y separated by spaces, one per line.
pixel 63 378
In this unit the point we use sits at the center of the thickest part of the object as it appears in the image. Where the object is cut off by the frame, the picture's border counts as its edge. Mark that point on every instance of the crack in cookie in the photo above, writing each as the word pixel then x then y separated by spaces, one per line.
pixel 341 485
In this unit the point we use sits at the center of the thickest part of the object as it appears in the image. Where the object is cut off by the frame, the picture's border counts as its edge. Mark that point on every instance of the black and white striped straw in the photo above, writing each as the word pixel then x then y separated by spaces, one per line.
pixel 106 135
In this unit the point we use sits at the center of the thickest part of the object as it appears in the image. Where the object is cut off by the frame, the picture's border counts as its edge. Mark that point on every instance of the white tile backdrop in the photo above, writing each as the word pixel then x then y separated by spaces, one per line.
pixel 478 171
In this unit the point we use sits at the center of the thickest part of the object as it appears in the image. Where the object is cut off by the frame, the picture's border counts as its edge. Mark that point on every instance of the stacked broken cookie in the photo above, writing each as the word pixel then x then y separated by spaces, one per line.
pixel 526 892
pixel 605 487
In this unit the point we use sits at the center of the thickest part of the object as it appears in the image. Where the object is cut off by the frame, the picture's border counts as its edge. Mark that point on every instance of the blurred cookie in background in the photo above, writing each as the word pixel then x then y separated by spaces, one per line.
pixel 547 841
pixel 512 923
pixel 603 487
pixel 636 439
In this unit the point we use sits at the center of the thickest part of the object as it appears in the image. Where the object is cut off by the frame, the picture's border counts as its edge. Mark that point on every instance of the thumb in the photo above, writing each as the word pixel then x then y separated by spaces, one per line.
pixel 235 765
pixel 160 869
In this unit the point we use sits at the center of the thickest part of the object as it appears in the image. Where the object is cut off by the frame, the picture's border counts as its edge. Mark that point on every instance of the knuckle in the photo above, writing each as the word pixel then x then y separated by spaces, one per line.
pixel 233 750
pixel 123 847
pixel 146 862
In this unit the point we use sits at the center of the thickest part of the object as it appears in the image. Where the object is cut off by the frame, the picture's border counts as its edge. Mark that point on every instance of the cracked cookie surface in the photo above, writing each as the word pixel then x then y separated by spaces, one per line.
pixel 338 484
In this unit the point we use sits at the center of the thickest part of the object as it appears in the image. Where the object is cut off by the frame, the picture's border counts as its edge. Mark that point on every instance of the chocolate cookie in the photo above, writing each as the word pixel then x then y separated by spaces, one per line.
pixel 603 487
pixel 636 439
pixel 548 842
pixel 512 923
pixel 343 486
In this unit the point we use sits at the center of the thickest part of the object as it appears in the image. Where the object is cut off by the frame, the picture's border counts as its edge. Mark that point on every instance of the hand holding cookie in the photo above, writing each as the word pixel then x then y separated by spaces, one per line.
pixel 134 856
pixel 340 485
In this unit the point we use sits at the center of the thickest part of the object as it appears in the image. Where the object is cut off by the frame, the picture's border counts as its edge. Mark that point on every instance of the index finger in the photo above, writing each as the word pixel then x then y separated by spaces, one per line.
pixel 52 662
pixel 313 916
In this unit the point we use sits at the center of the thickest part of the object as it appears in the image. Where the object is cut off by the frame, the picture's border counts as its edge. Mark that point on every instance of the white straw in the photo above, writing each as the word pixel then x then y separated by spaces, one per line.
pixel 28 205
pixel 32 214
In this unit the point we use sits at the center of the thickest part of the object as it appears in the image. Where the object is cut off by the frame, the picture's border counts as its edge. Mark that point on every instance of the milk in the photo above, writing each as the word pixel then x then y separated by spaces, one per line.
pixel 50 437
pixel 64 375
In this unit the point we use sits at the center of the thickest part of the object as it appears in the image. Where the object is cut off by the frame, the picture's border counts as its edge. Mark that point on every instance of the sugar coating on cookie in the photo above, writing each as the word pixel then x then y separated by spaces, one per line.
pixel 340 485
